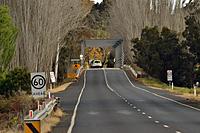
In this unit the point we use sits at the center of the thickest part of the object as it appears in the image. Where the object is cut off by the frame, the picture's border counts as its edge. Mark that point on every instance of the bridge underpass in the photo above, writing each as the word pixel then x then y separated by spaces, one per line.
pixel 116 44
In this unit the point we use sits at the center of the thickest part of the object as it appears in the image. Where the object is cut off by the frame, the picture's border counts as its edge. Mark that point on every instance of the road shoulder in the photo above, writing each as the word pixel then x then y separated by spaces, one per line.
pixel 185 99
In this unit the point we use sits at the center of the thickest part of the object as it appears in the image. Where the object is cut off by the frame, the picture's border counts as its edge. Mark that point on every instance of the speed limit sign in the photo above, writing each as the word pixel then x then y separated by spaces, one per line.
pixel 38 84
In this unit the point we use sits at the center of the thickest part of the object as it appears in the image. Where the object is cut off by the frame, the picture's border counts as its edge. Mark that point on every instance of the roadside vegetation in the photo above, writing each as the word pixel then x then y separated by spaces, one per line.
pixel 14 84
pixel 15 65
pixel 157 51
pixel 157 84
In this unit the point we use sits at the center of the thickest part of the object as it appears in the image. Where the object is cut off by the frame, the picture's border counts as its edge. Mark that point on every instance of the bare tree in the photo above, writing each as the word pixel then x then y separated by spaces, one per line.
pixel 129 17
pixel 43 25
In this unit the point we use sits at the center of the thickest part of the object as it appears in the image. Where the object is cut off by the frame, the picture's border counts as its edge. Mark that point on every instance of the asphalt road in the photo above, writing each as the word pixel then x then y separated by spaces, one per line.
pixel 106 101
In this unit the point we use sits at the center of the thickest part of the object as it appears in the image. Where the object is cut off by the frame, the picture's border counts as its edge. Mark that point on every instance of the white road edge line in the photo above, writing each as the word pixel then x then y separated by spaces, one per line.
pixel 76 107
pixel 169 99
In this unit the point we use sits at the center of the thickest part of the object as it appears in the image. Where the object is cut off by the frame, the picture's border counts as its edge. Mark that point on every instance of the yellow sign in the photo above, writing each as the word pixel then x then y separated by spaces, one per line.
pixel 76 66
pixel 32 126
pixel 71 75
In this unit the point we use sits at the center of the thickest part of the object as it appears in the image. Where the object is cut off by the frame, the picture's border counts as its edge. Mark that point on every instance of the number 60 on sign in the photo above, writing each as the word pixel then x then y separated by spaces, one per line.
pixel 38 84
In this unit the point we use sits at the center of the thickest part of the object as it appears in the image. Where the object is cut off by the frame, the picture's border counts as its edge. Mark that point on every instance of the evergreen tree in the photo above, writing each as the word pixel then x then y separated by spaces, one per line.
pixel 8 34
pixel 156 52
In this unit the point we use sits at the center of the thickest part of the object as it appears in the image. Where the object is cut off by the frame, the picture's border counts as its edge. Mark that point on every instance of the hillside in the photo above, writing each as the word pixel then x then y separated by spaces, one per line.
pixel 129 17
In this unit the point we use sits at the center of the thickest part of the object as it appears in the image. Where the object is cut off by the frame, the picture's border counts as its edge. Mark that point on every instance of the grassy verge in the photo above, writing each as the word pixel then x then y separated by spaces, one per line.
pixel 154 83
pixel 13 109
pixel 52 120
pixel 136 68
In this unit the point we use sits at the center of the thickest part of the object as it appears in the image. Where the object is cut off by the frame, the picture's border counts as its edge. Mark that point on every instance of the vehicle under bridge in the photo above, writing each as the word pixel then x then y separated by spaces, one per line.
pixel 116 44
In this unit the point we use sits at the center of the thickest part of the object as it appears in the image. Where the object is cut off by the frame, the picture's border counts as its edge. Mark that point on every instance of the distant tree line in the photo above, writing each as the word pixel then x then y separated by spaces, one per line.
pixel 158 51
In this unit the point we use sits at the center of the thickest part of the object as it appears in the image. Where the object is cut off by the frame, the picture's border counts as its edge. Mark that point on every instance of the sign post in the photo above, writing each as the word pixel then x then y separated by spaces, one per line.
pixel 38 84
pixel 170 78
pixel 195 88
pixel 53 80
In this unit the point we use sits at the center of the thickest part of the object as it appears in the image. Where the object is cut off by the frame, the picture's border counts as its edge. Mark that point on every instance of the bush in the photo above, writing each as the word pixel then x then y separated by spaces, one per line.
pixel 156 52
pixel 14 81
pixel 13 110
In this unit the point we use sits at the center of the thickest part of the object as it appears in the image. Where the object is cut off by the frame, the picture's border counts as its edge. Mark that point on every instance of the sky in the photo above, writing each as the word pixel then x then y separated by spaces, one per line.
pixel 174 1
pixel 97 1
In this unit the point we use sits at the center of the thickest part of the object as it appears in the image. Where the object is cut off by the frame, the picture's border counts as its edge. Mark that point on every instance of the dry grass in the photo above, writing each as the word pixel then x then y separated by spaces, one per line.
pixel 180 91
pixel 52 120
pixel 11 110
pixel 61 88
pixel 47 124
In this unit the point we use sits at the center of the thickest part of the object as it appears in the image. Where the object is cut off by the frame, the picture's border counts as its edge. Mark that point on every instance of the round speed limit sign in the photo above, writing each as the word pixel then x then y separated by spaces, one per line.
pixel 38 81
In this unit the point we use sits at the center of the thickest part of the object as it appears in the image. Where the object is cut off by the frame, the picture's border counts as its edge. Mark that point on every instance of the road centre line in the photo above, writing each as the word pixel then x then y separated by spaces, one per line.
pixel 76 107
pixel 138 110
pixel 106 80
pixel 166 126
pixel 150 117
pixel 169 99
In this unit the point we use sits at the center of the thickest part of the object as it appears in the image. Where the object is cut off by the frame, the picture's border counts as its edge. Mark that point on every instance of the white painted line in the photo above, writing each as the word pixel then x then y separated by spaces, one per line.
pixel 138 110
pixel 149 117
pixel 143 113
pixel 188 106
pixel 106 80
pixel 178 132
pixel 76 107
pixel 111 68
pixel 166 126
pixel 94 69
pixel 157 122
pixel 134 107
pixel 131 104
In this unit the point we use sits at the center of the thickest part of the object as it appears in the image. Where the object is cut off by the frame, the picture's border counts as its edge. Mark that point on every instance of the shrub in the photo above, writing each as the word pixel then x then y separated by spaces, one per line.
pixel 14 81
pixel 156 52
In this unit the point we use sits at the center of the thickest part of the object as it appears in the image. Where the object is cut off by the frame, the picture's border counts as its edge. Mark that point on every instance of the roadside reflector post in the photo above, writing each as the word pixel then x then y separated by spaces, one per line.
pixel 195 90
pixel 44 105
pixel 32 126
pixel 49 96
pixel 172 86
pixel 51 86
pixel 31 114
pixel 38 105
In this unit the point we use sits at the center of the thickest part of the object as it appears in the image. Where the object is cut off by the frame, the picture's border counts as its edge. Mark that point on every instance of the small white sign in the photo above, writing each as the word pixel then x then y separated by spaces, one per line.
pixel 75 60
pixel 53 78
pixel 81 57
pixel 169 75
pixel 38 84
